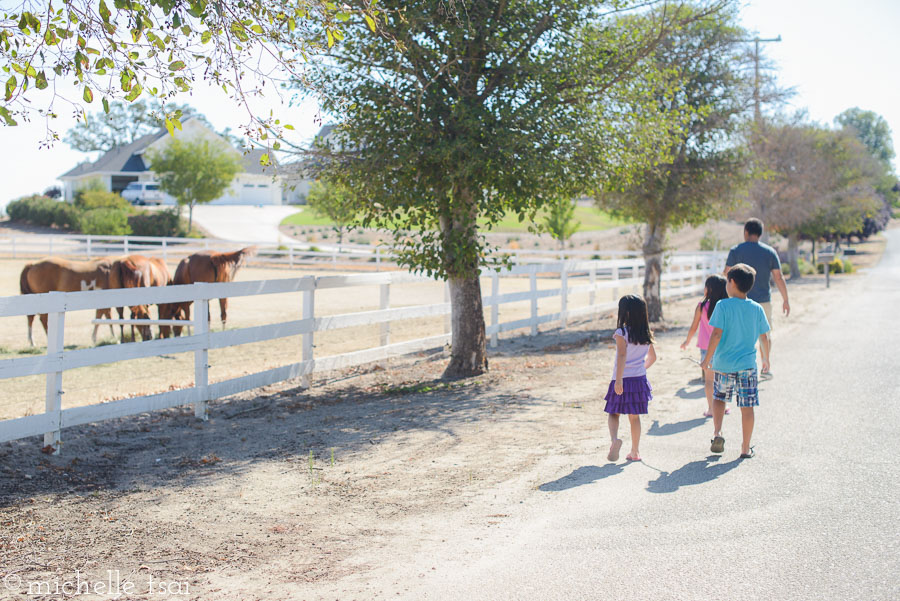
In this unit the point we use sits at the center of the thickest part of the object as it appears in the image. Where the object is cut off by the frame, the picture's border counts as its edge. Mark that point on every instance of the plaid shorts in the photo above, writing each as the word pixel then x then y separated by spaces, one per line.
pixel 744 382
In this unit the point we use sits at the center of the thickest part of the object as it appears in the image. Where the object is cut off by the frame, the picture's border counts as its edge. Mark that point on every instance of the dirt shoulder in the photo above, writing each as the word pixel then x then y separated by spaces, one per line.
pixel 322 492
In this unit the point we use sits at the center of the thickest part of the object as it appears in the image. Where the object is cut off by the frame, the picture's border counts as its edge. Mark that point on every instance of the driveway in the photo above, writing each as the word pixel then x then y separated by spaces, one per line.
pixel 244 223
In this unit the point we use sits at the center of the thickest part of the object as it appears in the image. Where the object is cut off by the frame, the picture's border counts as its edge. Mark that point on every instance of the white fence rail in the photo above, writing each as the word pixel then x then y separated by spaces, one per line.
pixel 289 252
pixel 684 275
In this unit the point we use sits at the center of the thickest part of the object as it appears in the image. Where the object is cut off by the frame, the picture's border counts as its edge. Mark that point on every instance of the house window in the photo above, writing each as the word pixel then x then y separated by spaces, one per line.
pixel 262 185
pixel 248 185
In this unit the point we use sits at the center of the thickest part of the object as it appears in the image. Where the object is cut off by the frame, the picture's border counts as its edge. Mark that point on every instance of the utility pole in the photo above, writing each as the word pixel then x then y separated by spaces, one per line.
pixel 757 115
pixel 757 112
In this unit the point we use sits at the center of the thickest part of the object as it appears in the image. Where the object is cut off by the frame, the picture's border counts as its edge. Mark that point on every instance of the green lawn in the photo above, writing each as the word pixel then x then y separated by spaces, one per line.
pixel 591 220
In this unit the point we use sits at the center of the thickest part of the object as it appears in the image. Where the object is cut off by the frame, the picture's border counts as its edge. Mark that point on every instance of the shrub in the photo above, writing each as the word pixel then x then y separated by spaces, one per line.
pixel 163 224
pixel 105 222
pixel 786 268
pixel 835 266
pixel 848 266
pixel 41 210
pixel 101 199
pixel 710 241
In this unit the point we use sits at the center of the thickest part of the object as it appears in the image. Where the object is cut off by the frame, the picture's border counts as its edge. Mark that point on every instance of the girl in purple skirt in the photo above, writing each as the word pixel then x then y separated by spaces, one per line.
pixel 629 391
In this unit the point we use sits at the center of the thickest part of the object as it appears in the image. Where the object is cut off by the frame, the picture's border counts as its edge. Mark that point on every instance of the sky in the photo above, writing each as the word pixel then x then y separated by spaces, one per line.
pixel 837 54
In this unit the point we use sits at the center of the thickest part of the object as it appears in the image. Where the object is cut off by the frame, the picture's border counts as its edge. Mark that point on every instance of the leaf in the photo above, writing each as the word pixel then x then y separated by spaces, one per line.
pixel 88 95
pixel 7 117
pixel 40 81
pixel 257 29
pixel 176 65
pixel 264 159
pixel 104 12
pixel 330 38
pixel 371 23
pixel 205 37
pixel 170 127
pixel 10 86
pixel 105 105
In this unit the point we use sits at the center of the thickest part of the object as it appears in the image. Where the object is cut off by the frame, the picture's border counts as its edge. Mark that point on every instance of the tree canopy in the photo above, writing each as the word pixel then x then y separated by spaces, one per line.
pixel 702 97
pixel 131 49
pixel 194 171
pixel 872 129
pixel 458 112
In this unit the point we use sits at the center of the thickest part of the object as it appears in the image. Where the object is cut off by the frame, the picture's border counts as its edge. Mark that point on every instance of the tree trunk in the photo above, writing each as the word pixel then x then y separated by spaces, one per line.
pixel 654 240
pixel 468 351
pixel 793 255
pixel 813 255
pixel 190 218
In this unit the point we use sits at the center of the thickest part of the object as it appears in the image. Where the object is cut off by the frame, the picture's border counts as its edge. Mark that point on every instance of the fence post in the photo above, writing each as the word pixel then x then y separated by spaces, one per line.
pixel 385 304
pixel 291 255
pixel 309 312
pixel 377 258
pixel 201 355
pixel 50 249
pixel 13 240
pixel 534 301
pixel 592 278
pixel 53 400
pixel 89 246
pixel 636 274
pixel 564 302
pixel 165 250
pixel 125 245
pixel 495 309
pixel 615 277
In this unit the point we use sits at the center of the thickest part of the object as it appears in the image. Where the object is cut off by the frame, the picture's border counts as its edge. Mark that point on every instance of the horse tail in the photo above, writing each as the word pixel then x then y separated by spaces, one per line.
pixel 231 262
pixel 24 286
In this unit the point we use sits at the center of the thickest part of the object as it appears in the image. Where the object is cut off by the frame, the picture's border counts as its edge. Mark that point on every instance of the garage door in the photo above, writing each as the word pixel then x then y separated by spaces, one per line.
pixel 256 194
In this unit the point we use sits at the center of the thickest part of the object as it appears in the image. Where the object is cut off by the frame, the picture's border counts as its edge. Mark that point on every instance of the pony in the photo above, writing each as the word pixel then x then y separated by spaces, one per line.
pixel 54 274
pixel 208 266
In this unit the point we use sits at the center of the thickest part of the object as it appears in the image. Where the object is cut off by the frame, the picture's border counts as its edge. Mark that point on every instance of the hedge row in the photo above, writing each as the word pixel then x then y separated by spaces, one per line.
pixel 97 213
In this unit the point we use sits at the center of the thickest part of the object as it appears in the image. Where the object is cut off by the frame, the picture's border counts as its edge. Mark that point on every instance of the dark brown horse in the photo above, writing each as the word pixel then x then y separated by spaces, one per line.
pixel 206 266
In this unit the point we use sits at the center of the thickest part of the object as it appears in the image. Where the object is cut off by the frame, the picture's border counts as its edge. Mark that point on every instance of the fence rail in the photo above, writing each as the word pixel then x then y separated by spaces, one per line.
pixel 289 253
pixel 684 275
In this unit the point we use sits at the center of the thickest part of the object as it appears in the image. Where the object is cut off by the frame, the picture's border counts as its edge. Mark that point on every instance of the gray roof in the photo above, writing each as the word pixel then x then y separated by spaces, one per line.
pixel 120 158
pixel 250 161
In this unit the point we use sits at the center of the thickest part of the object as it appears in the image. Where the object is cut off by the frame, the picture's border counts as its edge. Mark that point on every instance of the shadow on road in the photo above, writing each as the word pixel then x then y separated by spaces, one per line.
pixel 583 475
pixel 695 472
pixel 684 393
pixel 676 428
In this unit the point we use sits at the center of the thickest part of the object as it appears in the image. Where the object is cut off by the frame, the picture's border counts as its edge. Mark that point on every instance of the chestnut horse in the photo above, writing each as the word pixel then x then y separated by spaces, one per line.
pixel 54 274
pixel 138 271
pixel 208 266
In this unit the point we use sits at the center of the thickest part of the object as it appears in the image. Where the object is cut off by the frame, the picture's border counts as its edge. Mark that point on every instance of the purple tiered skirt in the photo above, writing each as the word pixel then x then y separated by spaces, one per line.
pixel 636 393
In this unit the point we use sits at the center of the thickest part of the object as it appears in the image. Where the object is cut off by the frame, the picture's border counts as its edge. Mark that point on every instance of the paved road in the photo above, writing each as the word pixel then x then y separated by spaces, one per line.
pixel 813 516
pixel 243 223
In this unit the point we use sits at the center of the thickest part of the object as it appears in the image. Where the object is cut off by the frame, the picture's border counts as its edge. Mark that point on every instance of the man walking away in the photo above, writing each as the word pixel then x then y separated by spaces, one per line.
pixel 765 261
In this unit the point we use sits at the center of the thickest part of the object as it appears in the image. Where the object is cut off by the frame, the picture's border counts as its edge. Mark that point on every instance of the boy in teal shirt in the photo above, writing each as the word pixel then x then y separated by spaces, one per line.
pixel 737 323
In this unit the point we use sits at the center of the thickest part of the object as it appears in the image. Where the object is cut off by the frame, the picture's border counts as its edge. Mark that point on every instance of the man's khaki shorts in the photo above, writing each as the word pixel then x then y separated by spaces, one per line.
pixel 767 309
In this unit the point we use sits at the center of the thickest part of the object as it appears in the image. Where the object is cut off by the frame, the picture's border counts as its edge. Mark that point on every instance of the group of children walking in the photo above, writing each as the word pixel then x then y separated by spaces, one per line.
pixel 729 325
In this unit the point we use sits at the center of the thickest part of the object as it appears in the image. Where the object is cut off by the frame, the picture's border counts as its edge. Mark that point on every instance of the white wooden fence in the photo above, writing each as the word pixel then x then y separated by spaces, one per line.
pixel 684 275
pixel 290 253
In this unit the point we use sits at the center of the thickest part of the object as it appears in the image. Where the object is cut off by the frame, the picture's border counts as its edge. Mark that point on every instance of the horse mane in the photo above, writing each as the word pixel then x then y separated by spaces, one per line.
pixel 131 274
pixel 231 262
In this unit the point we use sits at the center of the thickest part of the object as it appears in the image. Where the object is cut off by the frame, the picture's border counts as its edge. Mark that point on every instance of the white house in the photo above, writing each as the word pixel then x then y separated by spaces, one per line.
pixel 122 165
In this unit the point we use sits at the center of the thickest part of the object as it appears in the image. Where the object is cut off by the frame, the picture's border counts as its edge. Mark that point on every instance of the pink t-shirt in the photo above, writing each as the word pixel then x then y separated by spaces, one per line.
pixel 634 357
pixel 705 330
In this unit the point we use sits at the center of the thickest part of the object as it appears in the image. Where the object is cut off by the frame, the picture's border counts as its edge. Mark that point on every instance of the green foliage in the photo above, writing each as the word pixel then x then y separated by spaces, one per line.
pixel 560 220
pixel 148 48
pixel 872 129
pixel 333 201
pixel 162 224
pixel 472 117
pixel 44 211
pixel 710 240
pixel 194 171
pixel 105 222
pixel 847 266
pixel 101 199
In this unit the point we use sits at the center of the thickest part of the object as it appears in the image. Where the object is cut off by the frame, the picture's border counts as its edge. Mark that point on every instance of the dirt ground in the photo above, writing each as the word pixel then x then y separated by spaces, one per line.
pixel 308 494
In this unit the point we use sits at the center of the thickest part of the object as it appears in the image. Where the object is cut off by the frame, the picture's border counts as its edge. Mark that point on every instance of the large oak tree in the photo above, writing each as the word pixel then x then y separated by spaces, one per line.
pixel 465 111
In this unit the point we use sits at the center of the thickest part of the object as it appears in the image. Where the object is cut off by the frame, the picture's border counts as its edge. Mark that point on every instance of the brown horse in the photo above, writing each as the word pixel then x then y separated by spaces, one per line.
pixel 206 266
pixel 138 271
pixel 54 274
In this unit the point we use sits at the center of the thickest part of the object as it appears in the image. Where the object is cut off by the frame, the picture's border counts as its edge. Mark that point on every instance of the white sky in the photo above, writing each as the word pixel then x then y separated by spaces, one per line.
pixel 836 53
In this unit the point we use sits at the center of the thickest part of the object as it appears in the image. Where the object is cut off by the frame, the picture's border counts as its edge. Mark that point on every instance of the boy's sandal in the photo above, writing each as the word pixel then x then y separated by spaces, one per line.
pixel 631 457
pixel 717 445
pixel 749 455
